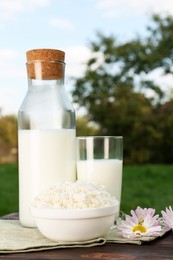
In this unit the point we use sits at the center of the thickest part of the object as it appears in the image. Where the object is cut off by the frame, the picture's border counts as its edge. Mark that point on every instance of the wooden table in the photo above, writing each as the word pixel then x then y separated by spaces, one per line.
pixel 161 248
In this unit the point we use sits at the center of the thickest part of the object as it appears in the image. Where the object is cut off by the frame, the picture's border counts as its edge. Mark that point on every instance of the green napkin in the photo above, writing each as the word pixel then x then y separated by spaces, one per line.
pixel 15 238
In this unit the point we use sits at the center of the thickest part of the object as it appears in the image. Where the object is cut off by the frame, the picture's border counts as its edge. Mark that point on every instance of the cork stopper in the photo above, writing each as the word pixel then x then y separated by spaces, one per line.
pixel 45 64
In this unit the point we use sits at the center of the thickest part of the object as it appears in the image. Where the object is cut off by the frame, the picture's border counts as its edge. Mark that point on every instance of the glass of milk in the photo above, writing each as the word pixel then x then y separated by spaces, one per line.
pixel 100 160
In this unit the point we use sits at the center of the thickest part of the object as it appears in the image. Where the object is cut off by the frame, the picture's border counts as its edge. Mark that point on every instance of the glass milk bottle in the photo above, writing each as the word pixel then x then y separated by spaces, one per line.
pixel 46 130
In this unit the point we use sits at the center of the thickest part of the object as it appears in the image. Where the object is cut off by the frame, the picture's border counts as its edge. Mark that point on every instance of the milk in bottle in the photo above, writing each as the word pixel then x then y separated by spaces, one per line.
pixel 46 130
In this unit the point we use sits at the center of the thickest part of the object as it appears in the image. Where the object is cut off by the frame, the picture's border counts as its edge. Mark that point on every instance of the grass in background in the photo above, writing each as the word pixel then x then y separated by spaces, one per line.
pixel 144 185
pixel 8 188
pixel 147 186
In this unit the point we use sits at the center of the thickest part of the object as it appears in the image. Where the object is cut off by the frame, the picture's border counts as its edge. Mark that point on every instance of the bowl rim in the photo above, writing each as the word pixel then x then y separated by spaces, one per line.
pixel 53 213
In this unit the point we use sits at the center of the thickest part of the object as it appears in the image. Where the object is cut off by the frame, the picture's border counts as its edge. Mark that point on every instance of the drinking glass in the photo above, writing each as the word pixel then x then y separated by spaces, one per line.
pixel 100 160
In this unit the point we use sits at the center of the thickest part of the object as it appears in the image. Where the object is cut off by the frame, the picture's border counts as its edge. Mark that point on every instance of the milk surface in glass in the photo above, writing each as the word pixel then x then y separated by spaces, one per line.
pixel 102 171
pixel 46 157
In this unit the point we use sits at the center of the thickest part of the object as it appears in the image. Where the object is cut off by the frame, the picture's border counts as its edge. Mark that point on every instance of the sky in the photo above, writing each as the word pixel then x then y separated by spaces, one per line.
pixel 68 25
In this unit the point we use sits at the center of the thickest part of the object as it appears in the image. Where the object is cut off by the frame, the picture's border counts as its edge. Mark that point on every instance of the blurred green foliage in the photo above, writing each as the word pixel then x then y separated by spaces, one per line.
pixel 8 139
pixel 8 131
pixel 115 90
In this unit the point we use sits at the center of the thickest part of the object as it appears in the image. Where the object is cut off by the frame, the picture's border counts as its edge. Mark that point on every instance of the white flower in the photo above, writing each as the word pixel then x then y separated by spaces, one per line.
pixel 142 213
pixel 142 222
pixel 168 217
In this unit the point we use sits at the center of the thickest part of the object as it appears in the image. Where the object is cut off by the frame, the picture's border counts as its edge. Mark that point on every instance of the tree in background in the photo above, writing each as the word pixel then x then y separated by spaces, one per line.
pixel 8 131
pixel 8 139
pixel 115 91
pixel 84 128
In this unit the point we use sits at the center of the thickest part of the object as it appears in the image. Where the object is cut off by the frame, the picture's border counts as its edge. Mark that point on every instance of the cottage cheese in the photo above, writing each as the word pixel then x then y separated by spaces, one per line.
pixel 74 195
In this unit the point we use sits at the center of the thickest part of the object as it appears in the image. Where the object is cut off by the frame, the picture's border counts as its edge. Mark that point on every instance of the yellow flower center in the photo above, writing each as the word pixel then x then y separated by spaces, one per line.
pixel 139 229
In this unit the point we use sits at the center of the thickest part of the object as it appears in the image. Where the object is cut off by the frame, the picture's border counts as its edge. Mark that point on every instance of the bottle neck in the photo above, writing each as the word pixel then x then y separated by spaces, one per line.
pixel 36 83
pixel 46 105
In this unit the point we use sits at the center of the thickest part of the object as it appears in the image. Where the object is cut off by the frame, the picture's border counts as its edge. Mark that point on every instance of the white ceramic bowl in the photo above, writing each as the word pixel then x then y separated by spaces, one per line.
pixel 74 224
